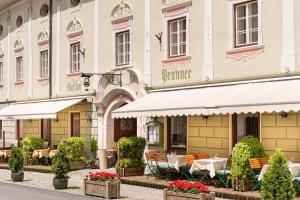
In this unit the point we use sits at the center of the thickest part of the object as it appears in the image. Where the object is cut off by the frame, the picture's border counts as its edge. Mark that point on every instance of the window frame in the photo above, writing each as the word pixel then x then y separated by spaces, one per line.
pixel 1 73
pixel 78 63
pixel 235 31
pixel 43 64
pixel 124 48
pixel 178 33
pixel 19 67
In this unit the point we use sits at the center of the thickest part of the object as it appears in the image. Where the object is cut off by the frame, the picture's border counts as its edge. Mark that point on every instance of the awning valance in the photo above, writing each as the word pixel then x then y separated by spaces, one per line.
pixel 37 110
pixel 265 96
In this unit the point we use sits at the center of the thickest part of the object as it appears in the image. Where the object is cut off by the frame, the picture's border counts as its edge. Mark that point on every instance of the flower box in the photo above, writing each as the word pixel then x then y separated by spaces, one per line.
pixel 76 165
pixel 108 190
pixel 168 195
pixel 124 172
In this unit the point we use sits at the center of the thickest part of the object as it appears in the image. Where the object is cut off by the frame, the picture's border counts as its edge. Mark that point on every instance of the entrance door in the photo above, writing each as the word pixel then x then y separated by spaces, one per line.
pixel 244 125
pixel 75 124
pixel 124 128
pixel 45 130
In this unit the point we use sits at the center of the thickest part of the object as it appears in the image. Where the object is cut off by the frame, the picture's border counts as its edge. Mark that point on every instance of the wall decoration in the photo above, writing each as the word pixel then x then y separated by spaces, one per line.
pixel 121 11
pixel 74 28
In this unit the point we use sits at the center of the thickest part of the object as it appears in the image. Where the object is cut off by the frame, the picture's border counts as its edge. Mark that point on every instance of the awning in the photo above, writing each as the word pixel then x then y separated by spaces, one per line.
pixel 37 110
pixel 250 97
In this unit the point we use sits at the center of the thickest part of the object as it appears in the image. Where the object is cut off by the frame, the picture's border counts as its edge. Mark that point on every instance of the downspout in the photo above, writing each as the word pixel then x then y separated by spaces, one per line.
pixel 50 60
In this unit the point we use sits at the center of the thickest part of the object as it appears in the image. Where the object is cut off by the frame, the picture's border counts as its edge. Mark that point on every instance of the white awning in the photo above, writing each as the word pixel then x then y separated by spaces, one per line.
pixel 266 96
pixel 37 110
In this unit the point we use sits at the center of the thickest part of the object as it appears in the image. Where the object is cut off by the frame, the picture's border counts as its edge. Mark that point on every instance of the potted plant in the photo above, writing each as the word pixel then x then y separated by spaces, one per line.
pixel 16 163
pixel 130 156
pixel 102 184
pixel 60 168
pixel 75 152
pixel 29 145
pixel 94 149
pixel 184 190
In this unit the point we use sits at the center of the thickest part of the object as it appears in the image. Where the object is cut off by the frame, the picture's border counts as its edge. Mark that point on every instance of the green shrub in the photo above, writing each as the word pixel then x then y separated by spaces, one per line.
pixel 29 145
pixel 16 160
pixel 61 163
pixel 94 148
pixel 277 181
pixel 74 148
pixel 248 147
pixel 131 152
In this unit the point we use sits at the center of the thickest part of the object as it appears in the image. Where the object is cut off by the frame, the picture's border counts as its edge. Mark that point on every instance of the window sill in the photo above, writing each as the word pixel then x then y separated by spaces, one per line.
pixel 74 74
pixel 178 58
pixel 19 83
pixel 121 67
pixel 245 49
pixel 248 51
pixel 43 79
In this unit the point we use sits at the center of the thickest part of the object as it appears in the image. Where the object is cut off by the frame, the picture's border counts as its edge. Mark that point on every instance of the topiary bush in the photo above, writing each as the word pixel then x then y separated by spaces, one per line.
pixel 277 181
pixel 74 148
pixel 61 163
pixel 131 152
pixel 16 160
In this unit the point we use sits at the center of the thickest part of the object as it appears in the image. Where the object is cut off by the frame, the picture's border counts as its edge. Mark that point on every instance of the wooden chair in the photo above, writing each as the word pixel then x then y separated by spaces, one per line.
pixel 255 166
pixel 151 163
pixel 202 155
pixel 164 169
pixel 223 174
pixel 264 161
pixel 185 170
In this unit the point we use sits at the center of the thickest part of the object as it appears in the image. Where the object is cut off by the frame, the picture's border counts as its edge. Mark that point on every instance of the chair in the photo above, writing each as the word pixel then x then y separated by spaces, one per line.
pixel 151 163
pixel 164 169
pixel 255 165
pixel 223 174
pixel 202 155
pixel 264 161
pixel 185 170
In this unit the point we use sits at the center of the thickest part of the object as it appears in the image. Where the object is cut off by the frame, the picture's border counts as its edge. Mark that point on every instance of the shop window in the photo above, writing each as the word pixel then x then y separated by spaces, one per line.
pixel 177 37
pixel 75 57
pixel 123 48
pixel 44 10
pixel 1 73
pixel 19 69
pixel 246 24
pixel 75 124
pixel 44 69
pixel 45 129
pixel 177 132
pixel 154 132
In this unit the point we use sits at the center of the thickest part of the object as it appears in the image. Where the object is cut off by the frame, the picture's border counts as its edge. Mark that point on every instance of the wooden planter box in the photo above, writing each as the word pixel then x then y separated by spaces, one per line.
pixel 108 190
pixel 184 196
pixel 76 165
pixel 123 172
pixel 242 184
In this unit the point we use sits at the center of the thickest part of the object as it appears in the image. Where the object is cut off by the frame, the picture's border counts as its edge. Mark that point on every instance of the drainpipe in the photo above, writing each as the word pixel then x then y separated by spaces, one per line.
pixel 50 59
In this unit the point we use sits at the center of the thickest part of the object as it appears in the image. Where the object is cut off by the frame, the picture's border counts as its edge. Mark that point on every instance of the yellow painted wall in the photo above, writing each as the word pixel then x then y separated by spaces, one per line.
pixel 210 136
pixel 283 133
pixel 61 129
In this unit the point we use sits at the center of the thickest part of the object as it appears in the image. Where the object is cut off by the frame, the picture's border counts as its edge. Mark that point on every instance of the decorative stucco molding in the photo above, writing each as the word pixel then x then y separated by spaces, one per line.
pixel 18 45
pixel 74 28
pixel 121 12
pixel 43 37
pixel 173 4
pixel 247 52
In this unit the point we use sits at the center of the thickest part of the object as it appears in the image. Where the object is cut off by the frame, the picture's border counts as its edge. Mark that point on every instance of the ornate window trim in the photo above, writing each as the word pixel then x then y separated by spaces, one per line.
pixel 43 39
pixel 74 29
pixel 173 4
pixel 18 45
pixel 121 12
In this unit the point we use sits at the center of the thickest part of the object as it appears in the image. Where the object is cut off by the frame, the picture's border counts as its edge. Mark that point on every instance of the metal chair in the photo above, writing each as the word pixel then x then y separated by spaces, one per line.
pixel 185 170
pixel 202 155
pixel 151 163
pixel 264 161
pixel 164 169
pixel 255 166
pixel 223 174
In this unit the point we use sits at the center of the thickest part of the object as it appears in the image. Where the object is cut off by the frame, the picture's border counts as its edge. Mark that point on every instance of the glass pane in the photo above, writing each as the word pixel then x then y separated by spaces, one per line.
pixel 183 24
pixel 253 22
pixel 174 28
pixel 183 37
pixel 253 8
pixel 127 36
pixel 178 131
pixel 241 11
pixel 241 24
pixel 174 50
pixel 242 38
pixel 253 36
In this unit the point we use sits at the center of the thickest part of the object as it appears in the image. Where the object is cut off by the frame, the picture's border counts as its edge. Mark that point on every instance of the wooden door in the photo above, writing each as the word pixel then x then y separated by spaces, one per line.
pixel 75 124
pixel 124 128
pixel 45 130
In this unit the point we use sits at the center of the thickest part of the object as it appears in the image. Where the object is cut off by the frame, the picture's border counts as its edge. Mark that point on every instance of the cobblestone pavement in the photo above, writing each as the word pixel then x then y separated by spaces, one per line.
pixel 44 181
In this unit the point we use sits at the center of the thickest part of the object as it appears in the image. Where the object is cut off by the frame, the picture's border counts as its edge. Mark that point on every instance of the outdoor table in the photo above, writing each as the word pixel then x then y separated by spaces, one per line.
pixel 52 153
pixel 210 164
pixel 5 153
pixel 293 167
pixel 39 153
pixel 176 161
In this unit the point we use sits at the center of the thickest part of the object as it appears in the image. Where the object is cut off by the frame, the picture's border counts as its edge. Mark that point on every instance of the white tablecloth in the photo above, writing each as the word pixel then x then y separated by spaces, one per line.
pixel 176 161
pixel 210 164
pixel 293 167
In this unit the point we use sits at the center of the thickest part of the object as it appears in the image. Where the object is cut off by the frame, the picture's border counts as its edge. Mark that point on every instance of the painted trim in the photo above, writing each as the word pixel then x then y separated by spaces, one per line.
pixel 147 43
pixel 208 67
pixel 30 91
pixel 58 47
pixel 288 56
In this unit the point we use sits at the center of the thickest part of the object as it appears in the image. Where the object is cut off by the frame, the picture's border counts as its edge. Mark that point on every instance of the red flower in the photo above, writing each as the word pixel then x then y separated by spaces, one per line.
pixel 102 176
pixel 187 187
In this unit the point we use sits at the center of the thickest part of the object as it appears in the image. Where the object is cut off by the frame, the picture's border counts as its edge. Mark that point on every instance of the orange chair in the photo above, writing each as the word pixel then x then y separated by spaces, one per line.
pixel 255 165
pixel 264 160
pixel 202 155
pixel 189 159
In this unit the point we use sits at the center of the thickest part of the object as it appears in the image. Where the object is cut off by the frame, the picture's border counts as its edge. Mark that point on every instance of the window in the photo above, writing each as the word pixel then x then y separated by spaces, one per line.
pixel 75 124
pixel 154 131
pixel 1 73
pixel 246 24
pixel 19 21
pixel 44 70
pixel 75 57
pixel 75 2
pixel 44 10
pixel 177 37
pixel 1 130
pixel 45 129
pixel 19 69
pixel 177 132
pixel 123 48
pixel 1 29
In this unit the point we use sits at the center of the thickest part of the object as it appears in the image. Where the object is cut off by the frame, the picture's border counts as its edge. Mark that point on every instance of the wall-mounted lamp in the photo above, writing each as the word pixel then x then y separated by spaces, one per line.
pixel 82 52
pixel 159 38
pixel 205 117
pixel 88 116
pixel 284 115
pixel 55 120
